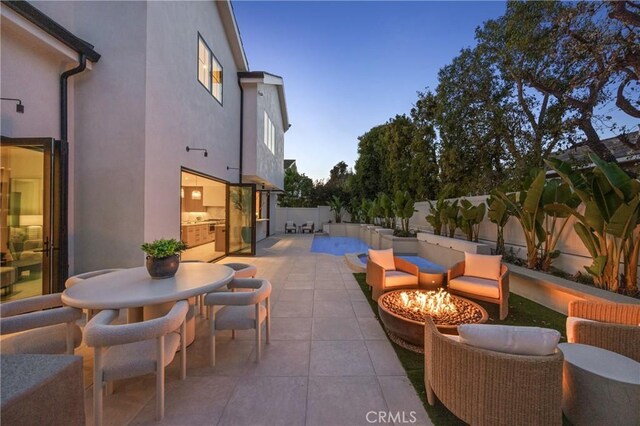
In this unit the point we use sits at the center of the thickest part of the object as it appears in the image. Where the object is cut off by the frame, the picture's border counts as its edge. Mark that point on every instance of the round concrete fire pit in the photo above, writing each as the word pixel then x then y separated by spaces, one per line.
pixel 403 313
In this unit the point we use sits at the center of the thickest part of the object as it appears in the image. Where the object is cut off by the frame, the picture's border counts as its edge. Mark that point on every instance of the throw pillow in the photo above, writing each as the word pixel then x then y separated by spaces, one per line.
pixel 482 266
pixel 510 339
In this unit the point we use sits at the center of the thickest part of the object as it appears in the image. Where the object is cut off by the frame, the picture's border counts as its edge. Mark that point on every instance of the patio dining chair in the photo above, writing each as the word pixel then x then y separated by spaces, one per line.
pixel 129 350
pixel 39 325
pixel 242 310
pixel 76 279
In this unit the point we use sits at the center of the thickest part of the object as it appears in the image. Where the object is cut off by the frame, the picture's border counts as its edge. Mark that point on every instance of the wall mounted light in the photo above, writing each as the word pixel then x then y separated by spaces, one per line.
pixel 206 153
pixel 196 195
pixel 19 107
pixel 233 168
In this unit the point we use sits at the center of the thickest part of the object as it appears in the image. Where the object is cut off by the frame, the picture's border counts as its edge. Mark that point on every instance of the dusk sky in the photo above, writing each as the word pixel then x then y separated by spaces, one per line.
pixel 349 66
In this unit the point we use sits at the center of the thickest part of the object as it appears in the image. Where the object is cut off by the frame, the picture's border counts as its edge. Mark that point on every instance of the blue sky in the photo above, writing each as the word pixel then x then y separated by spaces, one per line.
pixel 349 66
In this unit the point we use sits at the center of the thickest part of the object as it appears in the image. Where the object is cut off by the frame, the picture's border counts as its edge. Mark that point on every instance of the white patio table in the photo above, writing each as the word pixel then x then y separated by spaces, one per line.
pixel 135 289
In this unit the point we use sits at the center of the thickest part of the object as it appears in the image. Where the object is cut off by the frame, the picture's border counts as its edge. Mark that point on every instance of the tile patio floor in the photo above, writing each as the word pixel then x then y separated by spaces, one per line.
pixel 329 362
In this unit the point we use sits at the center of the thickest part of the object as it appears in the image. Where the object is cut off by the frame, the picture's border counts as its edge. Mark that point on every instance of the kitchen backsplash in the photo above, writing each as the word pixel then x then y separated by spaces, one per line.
pixel 211 213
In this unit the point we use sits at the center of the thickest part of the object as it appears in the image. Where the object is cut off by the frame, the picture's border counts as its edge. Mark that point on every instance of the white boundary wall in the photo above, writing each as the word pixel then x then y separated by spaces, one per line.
pixel 574 255
pixel 300 215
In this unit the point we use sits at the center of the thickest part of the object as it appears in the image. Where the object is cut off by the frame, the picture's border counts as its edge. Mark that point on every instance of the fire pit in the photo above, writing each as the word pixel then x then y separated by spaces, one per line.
pixel 403 313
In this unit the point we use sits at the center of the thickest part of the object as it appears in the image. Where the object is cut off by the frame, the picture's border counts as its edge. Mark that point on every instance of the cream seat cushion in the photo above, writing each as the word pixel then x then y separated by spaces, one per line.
pixel 399 279
pixel 51 339
pixel 477 286
pixel 137 358
pixel 510 339
pixel 482 266
pixel 383 258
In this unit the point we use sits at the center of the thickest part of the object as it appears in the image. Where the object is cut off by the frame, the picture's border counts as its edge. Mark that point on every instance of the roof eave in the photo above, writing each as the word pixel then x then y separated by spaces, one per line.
pixel 233 34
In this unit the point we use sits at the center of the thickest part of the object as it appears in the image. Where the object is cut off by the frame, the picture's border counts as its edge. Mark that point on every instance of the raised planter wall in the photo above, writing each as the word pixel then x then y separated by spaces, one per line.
pixel 376 237
pixel 401 245
pixel 556 293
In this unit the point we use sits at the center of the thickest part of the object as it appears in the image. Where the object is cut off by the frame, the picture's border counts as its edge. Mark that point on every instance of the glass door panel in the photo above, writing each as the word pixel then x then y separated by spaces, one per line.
pixel 33 229
pixel 241 219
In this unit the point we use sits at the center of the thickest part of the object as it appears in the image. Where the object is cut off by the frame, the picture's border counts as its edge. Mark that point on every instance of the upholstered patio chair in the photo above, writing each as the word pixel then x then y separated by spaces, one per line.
pixel 481 277
pixel 386 272
pixel 309 226
pixel 485 387
pixel 241 310
pixel 75 279
pixel 290 226
pixel 611 326
pixel 39 325
pixel 129 350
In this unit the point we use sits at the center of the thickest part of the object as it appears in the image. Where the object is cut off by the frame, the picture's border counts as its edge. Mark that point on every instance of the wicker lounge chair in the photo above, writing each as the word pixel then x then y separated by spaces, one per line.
pixel 484 387
pixel 610 326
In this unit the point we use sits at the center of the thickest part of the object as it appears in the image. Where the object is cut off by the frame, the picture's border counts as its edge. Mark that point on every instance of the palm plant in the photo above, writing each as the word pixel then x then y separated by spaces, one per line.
pixel 365 210
pixel 555 192
pixel 388 210
pixel 610 224
pixel 470 218
pixel 404 209
pixel 449 217
pixel 336 207
pixel 435 214
pixel 498 214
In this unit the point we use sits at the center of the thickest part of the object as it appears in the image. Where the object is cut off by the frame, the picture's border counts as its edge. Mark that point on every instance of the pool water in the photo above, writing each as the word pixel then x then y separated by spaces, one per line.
pixel 340 246
pixel 337 246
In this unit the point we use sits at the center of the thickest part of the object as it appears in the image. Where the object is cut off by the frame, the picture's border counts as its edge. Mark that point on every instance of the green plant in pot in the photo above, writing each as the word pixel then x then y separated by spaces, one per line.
pixel 163 257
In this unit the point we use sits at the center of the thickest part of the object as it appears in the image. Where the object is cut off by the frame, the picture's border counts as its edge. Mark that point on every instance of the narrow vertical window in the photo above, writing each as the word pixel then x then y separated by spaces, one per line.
pixel 209 70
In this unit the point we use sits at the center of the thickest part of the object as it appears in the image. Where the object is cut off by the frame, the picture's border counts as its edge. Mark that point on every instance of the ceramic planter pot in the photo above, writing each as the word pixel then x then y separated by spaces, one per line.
pixel 165 267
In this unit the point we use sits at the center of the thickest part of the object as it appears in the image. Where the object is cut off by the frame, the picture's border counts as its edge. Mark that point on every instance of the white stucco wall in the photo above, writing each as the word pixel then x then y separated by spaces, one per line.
pixel 181 112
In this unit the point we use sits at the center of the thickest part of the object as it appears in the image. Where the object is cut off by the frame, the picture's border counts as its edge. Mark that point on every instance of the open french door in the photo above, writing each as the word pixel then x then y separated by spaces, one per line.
pixel 33 216
pixel 241 219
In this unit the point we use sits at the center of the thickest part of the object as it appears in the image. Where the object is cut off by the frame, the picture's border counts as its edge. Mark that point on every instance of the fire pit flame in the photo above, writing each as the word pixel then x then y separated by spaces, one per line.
pixel 433 302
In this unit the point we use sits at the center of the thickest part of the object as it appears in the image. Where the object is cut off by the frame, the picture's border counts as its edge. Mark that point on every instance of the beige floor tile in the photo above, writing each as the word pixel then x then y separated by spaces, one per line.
pixel 291 328
pixel 401 398
pixel 330 295
pixel 371 329
pixel 356 295
pixel 305 284
pixel 341 401
pixel 340 358
pixel 384 358
pixel 293 309
pixel 267 401
pixel 333 309
pixel 336 329
pixel 362 309
pixel 329 285
pixel 282 358
pixel 296 295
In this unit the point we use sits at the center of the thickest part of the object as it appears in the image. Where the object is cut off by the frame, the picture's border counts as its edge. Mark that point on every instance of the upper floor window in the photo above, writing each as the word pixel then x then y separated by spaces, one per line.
pixel 269 133
pixel 209 70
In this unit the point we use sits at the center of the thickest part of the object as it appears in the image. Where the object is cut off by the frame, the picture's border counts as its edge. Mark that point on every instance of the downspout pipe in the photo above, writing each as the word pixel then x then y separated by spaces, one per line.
pixel 64 95
pixel 241 130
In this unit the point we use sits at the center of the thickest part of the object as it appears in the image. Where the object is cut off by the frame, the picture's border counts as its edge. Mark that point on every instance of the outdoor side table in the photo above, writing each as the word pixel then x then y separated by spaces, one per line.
pixel 430 280
pixel 600 387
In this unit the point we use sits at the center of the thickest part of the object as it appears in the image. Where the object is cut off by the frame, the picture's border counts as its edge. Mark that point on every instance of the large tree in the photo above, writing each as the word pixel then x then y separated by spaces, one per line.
pixel 371 174
pixel 298 189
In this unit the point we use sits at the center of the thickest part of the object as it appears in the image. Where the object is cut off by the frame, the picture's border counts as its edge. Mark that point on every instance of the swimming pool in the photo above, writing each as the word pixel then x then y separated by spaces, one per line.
pixel 340 246
pixel 337 246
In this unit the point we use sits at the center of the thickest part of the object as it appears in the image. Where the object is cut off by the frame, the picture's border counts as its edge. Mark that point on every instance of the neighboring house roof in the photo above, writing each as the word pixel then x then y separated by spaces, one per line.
pixel 233 34
pixel 48 25
pixel 623 152
pixel 289 163
pixel 272 79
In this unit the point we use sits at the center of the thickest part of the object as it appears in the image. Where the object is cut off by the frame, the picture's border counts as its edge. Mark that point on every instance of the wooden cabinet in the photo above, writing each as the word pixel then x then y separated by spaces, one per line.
pixel 190 204
pixel 221 238
pixel 195 235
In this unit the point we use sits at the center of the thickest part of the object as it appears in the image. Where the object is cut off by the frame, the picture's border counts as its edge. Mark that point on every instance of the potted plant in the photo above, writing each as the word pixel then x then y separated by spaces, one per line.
pixel 163 257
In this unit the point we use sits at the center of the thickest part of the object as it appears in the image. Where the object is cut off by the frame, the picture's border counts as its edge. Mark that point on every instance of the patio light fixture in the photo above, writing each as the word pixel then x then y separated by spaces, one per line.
pixel 19 106
pixel 206 153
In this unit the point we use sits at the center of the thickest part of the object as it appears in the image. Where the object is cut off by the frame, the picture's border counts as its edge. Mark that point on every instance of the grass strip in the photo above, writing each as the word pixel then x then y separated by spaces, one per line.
pixel 521 312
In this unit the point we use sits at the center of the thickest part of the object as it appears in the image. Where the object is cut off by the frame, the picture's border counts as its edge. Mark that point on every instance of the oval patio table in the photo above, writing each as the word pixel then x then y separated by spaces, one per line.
pixel 135 289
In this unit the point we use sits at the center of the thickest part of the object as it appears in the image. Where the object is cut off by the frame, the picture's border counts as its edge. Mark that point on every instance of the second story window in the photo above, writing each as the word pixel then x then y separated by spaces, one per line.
pixel 269 133
pixel 209 70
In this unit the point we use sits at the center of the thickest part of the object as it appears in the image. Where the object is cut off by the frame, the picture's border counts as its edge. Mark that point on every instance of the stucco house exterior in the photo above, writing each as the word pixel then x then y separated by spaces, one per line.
pixel 160 77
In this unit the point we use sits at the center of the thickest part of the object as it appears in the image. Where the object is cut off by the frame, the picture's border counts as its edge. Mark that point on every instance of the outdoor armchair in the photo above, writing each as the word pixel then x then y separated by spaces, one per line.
pixel 129 350
pixel 484 387
pixel 460 282
pixel 290 226
pixel 242 310
pixel 39 325
pixel 611 326
pixel 76 279
pixel 309 226
pixel 393 274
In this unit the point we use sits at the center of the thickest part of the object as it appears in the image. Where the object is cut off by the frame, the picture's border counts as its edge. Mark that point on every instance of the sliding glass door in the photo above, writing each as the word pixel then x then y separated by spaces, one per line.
pixel 33 212
pixel 241 222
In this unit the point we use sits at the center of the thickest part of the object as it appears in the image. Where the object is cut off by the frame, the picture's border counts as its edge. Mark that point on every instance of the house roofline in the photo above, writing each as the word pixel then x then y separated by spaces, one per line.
pixel 225 8
pixel 48 25
pixel 263 77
